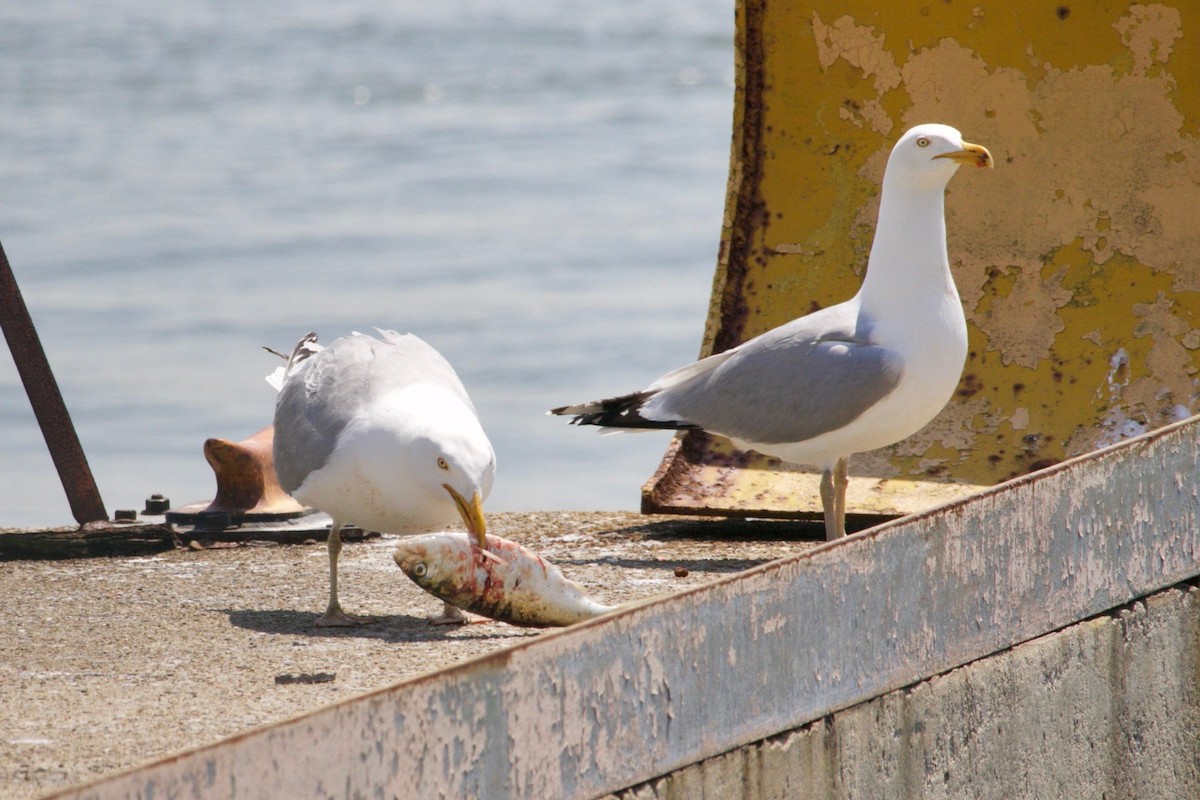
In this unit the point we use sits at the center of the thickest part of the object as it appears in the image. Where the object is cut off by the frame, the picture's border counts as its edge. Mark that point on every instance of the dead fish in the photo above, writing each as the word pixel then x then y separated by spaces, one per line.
pixel 506 582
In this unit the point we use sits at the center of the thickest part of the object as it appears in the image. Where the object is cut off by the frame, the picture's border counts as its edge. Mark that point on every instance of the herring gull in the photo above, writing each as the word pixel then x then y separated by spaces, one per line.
pixel 852 377
pixel 381 433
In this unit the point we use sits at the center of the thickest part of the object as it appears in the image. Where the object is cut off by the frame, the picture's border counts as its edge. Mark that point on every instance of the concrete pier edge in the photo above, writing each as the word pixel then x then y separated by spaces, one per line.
pixel 669 682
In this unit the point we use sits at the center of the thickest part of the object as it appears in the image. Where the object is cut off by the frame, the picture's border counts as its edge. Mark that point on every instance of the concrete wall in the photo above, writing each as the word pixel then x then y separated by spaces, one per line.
pixel 1106 708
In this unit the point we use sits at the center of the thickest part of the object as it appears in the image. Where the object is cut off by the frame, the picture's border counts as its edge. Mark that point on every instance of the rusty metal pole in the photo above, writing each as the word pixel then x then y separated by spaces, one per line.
pixel 48 406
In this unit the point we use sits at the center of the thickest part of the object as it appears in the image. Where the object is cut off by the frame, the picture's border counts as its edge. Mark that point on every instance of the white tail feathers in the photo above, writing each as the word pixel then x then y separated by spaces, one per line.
pixel 275 379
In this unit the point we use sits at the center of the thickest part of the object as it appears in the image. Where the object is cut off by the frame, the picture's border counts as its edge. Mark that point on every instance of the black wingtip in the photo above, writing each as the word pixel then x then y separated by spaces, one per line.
pixel 618 412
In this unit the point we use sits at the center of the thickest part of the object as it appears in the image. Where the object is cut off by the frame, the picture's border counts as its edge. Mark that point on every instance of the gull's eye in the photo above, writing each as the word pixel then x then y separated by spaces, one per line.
pixel 922 142
pixel 420 569
pixel 442 463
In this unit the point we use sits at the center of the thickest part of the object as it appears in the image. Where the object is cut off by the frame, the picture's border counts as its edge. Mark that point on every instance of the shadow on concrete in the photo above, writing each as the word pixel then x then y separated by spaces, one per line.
pixel 725 529
pixel 387 627
pixel 700 565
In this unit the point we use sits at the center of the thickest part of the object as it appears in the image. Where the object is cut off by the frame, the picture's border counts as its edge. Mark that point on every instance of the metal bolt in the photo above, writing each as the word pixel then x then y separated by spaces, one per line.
pixel 125 515
pixel 156 504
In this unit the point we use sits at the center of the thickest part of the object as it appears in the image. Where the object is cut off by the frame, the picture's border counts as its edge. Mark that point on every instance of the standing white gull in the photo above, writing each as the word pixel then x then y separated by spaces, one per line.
pixel 852 377
pixel 381 433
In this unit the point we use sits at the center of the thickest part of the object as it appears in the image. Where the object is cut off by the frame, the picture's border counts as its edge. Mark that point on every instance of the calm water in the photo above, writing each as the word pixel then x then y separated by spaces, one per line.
pixel 534 188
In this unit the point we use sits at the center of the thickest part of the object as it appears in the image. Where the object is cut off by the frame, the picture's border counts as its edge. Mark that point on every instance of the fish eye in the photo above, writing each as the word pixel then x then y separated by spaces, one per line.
pixel 922 142
pixel 442 463
pixel 420 569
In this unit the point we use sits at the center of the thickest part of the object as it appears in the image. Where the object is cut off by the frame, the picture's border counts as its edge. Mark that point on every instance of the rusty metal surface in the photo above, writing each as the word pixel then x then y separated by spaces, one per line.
pixel 1074 259
pixel 703 474
pixel 248 489
pixel 59 432
pixel 245 473
pixel 667 682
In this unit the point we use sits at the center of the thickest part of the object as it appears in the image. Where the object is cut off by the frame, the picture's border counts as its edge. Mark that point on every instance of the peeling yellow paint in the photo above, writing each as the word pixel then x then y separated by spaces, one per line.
pixel 1150 33
pixel 1076 254
pixel 1022 322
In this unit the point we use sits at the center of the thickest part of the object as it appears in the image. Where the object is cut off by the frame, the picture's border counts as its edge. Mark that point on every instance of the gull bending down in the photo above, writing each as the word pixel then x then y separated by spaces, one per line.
pixel 381 433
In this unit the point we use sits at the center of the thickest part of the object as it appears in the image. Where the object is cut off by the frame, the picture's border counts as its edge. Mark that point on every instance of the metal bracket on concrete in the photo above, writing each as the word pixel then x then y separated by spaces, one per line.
pixel 249 505
pixel 65 450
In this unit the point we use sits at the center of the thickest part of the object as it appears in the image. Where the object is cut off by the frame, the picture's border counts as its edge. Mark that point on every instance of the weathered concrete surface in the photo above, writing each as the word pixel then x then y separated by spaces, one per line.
pixel 671 681
pixel 1107 708
pixel 106 663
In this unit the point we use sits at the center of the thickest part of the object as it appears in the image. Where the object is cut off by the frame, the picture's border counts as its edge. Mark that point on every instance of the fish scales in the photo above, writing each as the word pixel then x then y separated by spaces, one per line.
pixel 508 582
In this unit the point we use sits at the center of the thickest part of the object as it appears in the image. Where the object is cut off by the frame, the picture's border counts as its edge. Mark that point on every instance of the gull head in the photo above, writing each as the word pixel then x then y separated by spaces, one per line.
pixel 439 456
pixel 462 466
pixel 930 155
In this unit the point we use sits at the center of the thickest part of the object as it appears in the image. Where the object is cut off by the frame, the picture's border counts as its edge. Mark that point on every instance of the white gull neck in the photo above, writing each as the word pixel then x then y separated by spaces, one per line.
pixel 908 270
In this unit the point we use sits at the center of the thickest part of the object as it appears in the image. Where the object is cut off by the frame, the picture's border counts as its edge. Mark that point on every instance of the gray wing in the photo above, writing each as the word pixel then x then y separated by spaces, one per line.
pixel 320 398
pixel 795 382
pixel 403 359
pixel 303 440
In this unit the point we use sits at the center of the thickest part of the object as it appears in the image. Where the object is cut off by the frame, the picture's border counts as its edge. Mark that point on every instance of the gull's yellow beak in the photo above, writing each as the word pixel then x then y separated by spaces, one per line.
pixel 975 154
pixel 472 514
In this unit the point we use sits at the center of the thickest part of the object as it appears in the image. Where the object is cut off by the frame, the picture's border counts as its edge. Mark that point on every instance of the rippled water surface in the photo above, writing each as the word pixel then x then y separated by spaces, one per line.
pixel 534 188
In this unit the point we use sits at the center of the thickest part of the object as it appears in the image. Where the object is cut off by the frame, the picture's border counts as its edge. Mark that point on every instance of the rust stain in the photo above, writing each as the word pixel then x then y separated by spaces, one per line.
pixel 746 210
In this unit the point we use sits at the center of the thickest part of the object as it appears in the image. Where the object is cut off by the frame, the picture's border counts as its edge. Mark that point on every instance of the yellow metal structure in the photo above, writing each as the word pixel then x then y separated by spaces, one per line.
pixel 1078 258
